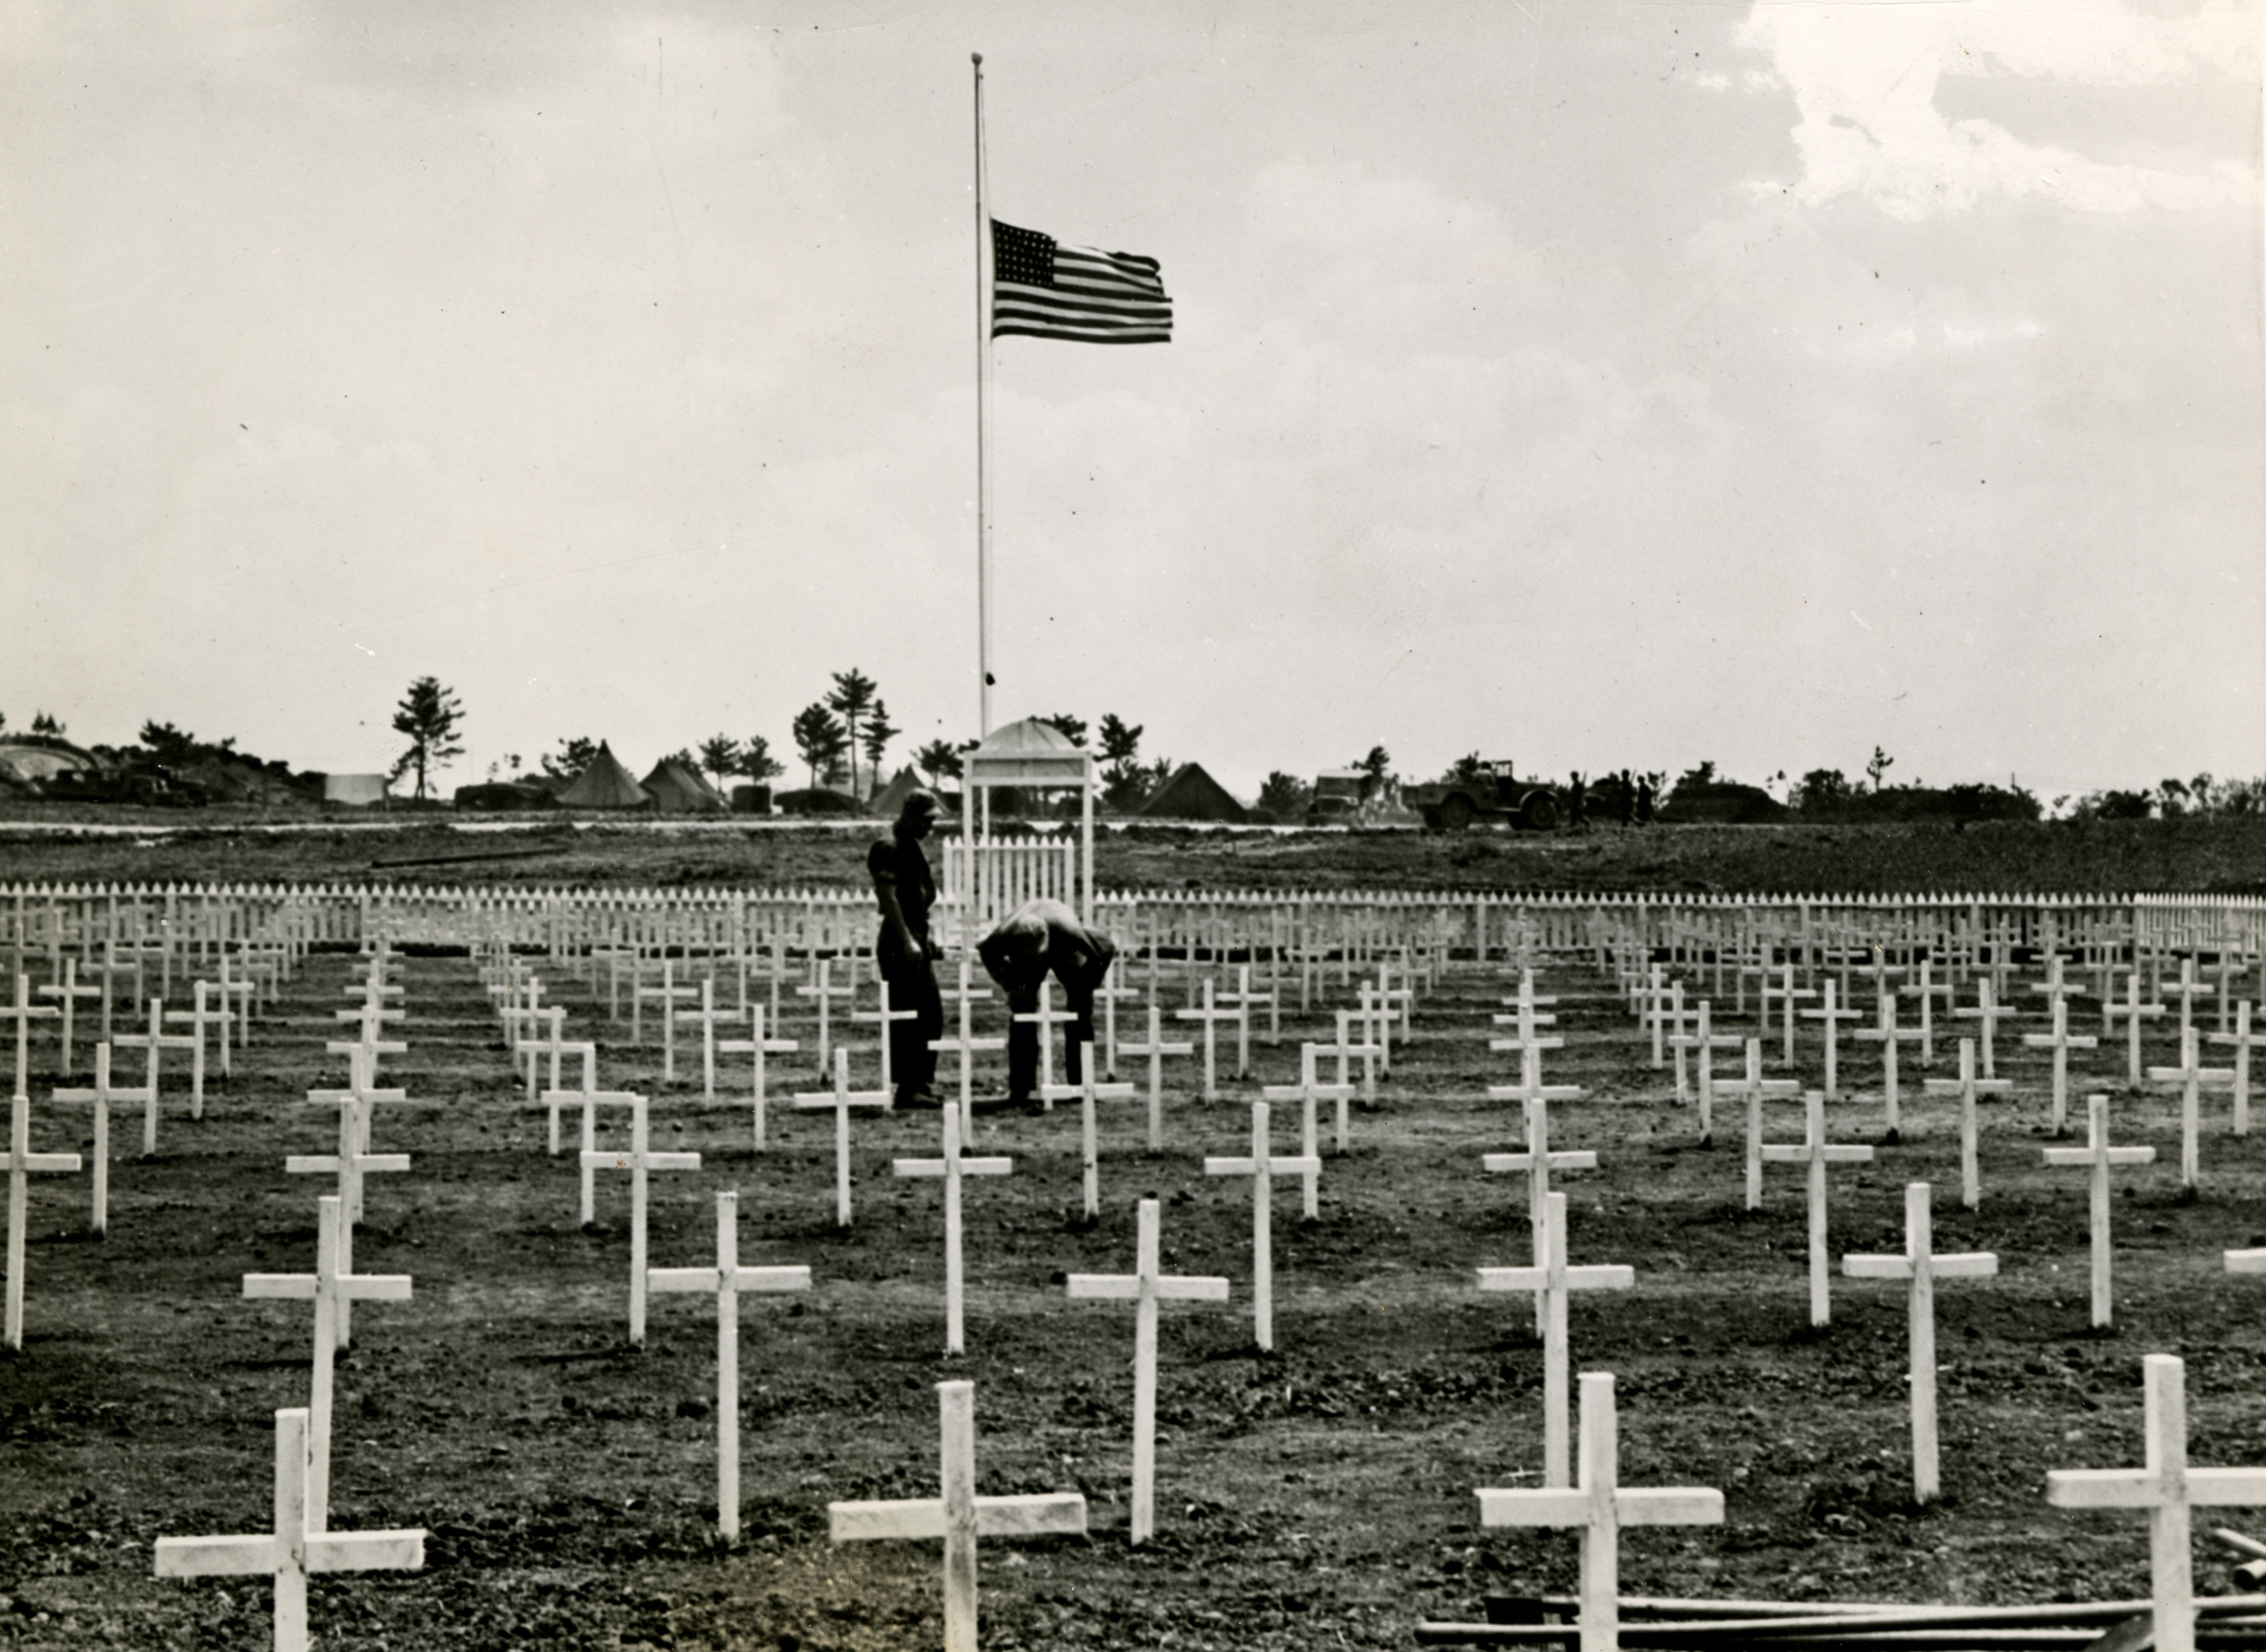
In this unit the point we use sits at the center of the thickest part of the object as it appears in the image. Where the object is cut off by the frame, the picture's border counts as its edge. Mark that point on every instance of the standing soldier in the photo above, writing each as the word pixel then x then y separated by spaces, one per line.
pixel 905 889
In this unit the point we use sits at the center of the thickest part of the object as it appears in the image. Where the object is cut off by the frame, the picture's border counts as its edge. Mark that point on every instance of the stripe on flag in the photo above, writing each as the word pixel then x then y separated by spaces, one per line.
pixel 1043 289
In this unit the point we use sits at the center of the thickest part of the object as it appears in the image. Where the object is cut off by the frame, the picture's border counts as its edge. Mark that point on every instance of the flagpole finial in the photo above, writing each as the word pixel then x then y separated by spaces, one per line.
pixel 976 58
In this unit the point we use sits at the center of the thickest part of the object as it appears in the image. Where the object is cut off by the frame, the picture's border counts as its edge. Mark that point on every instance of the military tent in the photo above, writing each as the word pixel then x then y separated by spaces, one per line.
pixel 605 784
pixel 1191 794
pixel 679 790
pixel 891 798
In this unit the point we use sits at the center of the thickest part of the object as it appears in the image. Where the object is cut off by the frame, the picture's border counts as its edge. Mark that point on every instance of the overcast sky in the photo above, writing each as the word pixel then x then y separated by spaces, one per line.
pixel 1585 385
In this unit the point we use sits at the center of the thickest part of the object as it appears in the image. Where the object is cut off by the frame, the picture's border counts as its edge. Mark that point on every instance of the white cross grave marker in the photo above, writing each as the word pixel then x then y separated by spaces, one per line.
pixel 1926 989
pixel 1701 1042
pixel 1262 1169
pixel 1244 1001
pixel 1600 1506
pixel 25 1012
pixel 1551 1280
pixel 2190 1075
pixel 1210 1016
pixel 1145 1286
pixel 883 1017
pixel 291 1551
pixel 960 1516
pixel 966 1046
pixel 330 1287
pixel 757 1046
pixel 1888 1034
pixel 2243 1043
pixel 2167 1488
pixel 840 1098
pixel 1813 1153
pixel 22 1162
pixel 640 1161
pixel 2134 1012
pixel 708 1015
pixel 1831 1018
pixel 2097 1156
pixel 1046 1017
pixel 952 1166
pixel 1088 1092
pixel 1923 1268
pixel 1756 1088
pixel 101 1095
pixel 2061 1041
pixel 67 991
pixel 150 1043
pixel 1154 1052
pixel 1538 1161
pixel 727 1280
pixel 1967 1087
pixel 1785 995
pixel 821 989
pixel 1989 1012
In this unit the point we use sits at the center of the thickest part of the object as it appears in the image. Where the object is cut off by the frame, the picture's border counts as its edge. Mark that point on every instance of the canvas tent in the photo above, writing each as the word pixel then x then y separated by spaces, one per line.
pixel 678 790
pixel 605 784
pixel 891 798
pixel 1191 794
pixel 361 790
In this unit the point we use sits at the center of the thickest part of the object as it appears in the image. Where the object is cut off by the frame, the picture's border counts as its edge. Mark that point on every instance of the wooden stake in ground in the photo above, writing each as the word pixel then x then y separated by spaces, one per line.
pixel 2243 1043
pixel 640 1161
pixel 959 1516
pixel 1551 1279
pixel 1262 1168
pixel 2192 1075
pixel 728 1279
pixel 25 1012
pixel 1154 1052
pixel 2166 1488
pixel 1920 1265
pixel 1813 1153
pixel 1145 1286
pixel 1756 1088
pixel 2061 1041
pixel 840 1098
pixel 330 1288
pixel 757 1045
pixel 1967 1087
pixel 951 1167
pixel 22 1163
pixel 292 1551
pixel 1599 1506
pixel 2097 1156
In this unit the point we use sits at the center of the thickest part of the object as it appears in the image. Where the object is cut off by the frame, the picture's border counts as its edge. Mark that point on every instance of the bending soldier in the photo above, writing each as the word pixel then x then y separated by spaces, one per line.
pixel 1037 937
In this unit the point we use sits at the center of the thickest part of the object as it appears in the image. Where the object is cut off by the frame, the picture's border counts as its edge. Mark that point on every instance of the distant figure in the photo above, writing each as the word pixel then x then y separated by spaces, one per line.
pixel 1577 803
pixel 1023 946
pixel 1628 799
pixel 905 889
pixel 1644 803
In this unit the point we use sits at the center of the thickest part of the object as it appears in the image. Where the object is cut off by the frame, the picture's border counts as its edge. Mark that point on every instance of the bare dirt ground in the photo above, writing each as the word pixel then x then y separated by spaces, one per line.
pixel 1320 1496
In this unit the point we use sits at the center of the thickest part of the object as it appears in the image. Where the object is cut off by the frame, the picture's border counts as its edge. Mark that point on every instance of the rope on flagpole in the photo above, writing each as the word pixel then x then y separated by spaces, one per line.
pixel 982 467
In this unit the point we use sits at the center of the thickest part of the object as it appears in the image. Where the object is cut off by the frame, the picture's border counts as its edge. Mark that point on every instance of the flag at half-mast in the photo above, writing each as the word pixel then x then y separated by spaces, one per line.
pixel 1043 289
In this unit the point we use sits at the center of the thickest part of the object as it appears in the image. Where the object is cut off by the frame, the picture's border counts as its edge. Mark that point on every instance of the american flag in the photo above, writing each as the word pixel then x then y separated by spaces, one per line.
pixel 1043 289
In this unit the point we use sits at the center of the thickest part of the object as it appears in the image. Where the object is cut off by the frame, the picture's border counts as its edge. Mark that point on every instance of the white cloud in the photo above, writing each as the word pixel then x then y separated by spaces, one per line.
pixel 1864 79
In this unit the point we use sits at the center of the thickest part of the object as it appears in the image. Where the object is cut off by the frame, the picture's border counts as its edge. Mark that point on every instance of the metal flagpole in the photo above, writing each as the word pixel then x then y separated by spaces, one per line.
pixel 983 470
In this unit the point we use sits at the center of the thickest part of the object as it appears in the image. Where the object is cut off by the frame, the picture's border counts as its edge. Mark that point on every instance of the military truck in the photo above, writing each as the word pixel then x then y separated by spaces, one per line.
pixel 1495 793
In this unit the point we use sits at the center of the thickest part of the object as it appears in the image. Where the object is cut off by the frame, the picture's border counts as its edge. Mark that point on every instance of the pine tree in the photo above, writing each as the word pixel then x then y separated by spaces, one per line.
pixel 429 715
